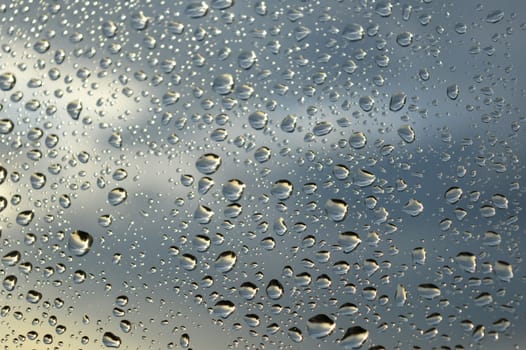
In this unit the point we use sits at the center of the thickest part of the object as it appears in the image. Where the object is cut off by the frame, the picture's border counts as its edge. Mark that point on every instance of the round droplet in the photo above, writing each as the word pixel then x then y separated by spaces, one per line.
pixel 25 217
pixel 282 189
pixel 366 103
pixel 288 124
pixel 6 126
pixel 404 39
pixel 33 296
pixel 9 283
pixel 223 84
pixel 246 59
pixel 358 140
pixel 248 290
pixel 274 289
pixel 224 308
pixel 453 195
pixel 225 262
pixel 320 326
pixel 7 81
pixel 109 29
pixel 233 190
pixel 80 243
pixel 38 180
pixel 258 120
pixel 467 261
pixel 208 163
pixel 336 209
pixel 262 154
pixel 295 334
pixel 117 196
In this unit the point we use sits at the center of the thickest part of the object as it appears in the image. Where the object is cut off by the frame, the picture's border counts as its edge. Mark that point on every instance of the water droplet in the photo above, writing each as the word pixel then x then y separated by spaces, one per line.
pixel 225 262
pixel 223 84
pixel 364 178
pixel 404 39
pixel 117 196
pixel 354 337
pixel 413 207
pixel 233 190
pixel 25 217
pixel 358 140
pixel 33 296
pixel 495 16
pixel 466 261
pixel 12 258
pixel 6 126
pixel 504 270
pixel 428 291
pixel 80 243
pixel 258 120
pixel 7 81
pixel 322 128
pixel 224 308
pixel 203 214
pixel 74 108
pixel 282 189
pixel 208 163
pixel 453 195
pixel 196 9
pixel 407 133
pixel 110 340
pixel 336 209
pixel 353 32
pixel 397 101
pixel 366 103
pixel 453 91
pixel 38 180
pixel 274 289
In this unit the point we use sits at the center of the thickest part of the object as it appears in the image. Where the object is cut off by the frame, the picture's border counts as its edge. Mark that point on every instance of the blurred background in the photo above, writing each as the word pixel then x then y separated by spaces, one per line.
pixel 262 174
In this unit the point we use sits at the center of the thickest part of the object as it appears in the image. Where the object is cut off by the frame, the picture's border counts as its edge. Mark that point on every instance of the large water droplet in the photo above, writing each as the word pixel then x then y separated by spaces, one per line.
pixel 80 243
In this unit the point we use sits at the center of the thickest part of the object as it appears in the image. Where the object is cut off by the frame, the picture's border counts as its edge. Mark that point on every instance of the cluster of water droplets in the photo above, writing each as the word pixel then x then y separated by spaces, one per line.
pixel 257 174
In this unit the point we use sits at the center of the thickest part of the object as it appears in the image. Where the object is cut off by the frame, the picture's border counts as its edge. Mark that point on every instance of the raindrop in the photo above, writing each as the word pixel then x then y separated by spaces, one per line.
pixel 7 81
pixel 407 133
pixel 274 289
pixel 353 32
pixel 110 340
pixel 6 126
pixel 397 101
pixel 224 308
pixel 354 337
pixel 336 209
pixel 25 217
pixel 225 262
pixel 117 196
pixel 79 243
pixel 208 163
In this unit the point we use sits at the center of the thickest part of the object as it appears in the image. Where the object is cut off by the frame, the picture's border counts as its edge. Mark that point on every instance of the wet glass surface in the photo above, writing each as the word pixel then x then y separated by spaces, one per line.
pixel 238 174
